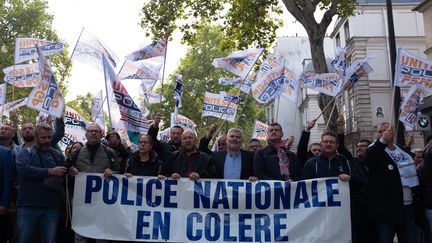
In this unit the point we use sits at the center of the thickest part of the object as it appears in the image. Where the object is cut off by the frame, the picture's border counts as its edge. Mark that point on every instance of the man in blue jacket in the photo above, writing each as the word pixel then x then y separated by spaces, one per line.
pixel 6 183
pixel 40 192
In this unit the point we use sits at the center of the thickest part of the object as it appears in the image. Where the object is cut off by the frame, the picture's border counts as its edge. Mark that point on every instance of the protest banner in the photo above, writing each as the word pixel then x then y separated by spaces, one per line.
pixel 97 112
pixel 409 107
pixel 22 76
pixel 413 70
pixel 46 96
pixel 10 106
pixel 179 120
pixel 139 70
pixel 327 83
pixel 215 106
pixel 260 130
pixel 25 48
pixel 145 208
pixel 157 48
pixel 2 93
pixel 339 62
pixel 357 70
pixel 239 63
pixel 75 128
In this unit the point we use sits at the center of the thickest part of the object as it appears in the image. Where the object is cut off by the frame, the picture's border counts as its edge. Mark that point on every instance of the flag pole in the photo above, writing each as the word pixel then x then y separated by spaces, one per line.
pixel 106 90
pixel 163 70
pixel 100 108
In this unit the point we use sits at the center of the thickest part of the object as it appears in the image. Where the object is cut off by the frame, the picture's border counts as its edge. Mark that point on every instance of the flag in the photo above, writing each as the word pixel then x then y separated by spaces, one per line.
pixel 274 80
pixel 97 112
pixel 354 72
pixel 215 106
pixel 179 120
pixel 260 130
pixel 412 70
pixel 409 107
pixel 75 128
pixel 22 76
pixel 339 62
pixel 90 50
pixel 131 118
pixel 155 49
pixel 239 63
pixel 2 93
pixel 327 83
pixel 139 70
pixel 10 106
pixel 178 92
pixel 230 97
pixel 244 85
pixel 46 95
pixel 25 48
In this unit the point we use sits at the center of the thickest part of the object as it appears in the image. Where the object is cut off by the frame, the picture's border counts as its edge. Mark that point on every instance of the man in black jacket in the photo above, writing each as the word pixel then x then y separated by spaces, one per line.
pixel 392 179
pixel 234 162
pixel 303 151
pixel 188 161
pixel 276 162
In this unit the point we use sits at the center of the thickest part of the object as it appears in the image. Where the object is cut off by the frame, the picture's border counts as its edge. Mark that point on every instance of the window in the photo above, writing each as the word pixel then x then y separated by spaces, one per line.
pixel 346 31
pixel 338 43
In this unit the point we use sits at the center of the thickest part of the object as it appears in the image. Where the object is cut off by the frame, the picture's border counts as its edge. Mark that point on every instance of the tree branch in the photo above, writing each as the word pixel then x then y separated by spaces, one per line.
pixel 328 15
pixel 295 10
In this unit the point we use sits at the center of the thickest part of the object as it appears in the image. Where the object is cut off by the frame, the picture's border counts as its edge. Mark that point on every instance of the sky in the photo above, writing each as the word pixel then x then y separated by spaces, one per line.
pixel 116 23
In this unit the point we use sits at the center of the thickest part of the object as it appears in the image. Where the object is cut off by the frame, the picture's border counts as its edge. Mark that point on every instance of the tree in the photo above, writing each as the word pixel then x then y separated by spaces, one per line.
pixel 29 18
pixel 82 104
pixel 198 77
pixel 246 23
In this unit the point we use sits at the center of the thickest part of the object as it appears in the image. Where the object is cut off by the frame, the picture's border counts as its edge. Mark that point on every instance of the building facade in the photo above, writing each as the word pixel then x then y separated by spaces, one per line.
pixel 426 9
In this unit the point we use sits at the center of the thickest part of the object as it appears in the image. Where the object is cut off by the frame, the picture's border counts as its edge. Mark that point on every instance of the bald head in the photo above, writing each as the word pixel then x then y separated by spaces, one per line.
pixel 189 141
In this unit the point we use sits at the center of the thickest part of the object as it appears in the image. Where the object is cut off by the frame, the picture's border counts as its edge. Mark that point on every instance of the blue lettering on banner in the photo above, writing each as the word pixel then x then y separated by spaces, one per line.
pixel 160 224
pixel 124 193
pixel 106 190
pixel 301 196
pixel 278 226
pixel 227 229
pixel 93 184
pixel 262 224
pixel 282 195
pixel 243 227
pixel 212 219
pixel 267 200
pixel 149 191
pixel 331 192
pixel 189 230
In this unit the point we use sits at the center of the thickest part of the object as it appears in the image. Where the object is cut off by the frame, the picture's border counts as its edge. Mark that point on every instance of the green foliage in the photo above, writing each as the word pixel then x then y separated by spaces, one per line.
pixel 82 104
pixel 244 23
pixel 28 18
pixel 199 76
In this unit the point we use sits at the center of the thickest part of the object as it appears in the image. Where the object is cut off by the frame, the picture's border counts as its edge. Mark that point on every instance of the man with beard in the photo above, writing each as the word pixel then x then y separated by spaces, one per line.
pixel 39 198
pixel 164 149
pixel 276 162
pixel 234 162
pixel 188 161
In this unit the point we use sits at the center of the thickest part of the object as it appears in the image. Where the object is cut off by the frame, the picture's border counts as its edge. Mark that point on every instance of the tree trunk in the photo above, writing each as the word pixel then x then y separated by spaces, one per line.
pixel 316 41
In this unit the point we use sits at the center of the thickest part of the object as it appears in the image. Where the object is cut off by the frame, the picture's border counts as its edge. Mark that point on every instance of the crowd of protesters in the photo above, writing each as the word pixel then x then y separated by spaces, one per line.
pixel 390 185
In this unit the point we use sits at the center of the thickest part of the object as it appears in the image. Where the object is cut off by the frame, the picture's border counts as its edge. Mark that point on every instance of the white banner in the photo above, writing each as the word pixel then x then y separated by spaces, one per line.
pixel 97 112
pixel 413 70
pixel 75 127
pixel 409 107
pixel 339 62
pixel 8 107
pixel 239 63
pixel 327 83
pixel 145 208
pixel 22 76
pixel 260 130
pixel 46 95
pixel 182 121
pixel 215 106
pixel 2 93
pixel 89 50
pixel 25 48
pixel 354 72
pixel 140 70
pixel 157 48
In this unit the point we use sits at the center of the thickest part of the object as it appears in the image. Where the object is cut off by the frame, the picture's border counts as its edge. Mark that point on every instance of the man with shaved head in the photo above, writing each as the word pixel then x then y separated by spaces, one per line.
pixel 188 161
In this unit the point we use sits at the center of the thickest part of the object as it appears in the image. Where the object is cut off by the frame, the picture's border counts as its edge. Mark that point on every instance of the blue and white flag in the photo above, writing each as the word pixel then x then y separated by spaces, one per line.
pixel 244 85
pixel 75 128
pixel 409 107
pixel 131 118
pixel 22 76
pixel 178 92
pixel 339 62
pixel 326 83
pixel 10 106
pixel 155 49
pixel 354 72
pixel 274 80
pixel 97 112
pixel 239 63
pixel 2 93
pixel 413 70
pixel 140 70
pixel 90 50
pixel 215 106
pixel 230 97
pixel 25 48
pixel 46 96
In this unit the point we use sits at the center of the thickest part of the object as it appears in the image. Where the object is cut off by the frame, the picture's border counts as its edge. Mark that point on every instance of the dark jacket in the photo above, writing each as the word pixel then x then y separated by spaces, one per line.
pixel 177 164
pixel 386 196
pixel 303 153
pixel 6 176
pixel 320 166
pixel 163 149
pixel 152 167
pixel 217 164
pixel 425 176
pixel 204 144
pixel 266 165
pixel 32 165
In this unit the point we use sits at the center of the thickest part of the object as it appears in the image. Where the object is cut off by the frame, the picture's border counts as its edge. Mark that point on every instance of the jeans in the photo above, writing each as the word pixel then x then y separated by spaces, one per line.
pixel 30 219
pixel 405 230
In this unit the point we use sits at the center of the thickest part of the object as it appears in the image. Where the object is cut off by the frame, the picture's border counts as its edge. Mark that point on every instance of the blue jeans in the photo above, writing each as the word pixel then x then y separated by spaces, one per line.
pixel 405 230
pixel 30 219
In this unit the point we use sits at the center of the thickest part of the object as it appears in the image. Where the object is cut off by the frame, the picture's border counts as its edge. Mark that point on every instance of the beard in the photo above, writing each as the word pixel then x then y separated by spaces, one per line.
pixel 28 138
